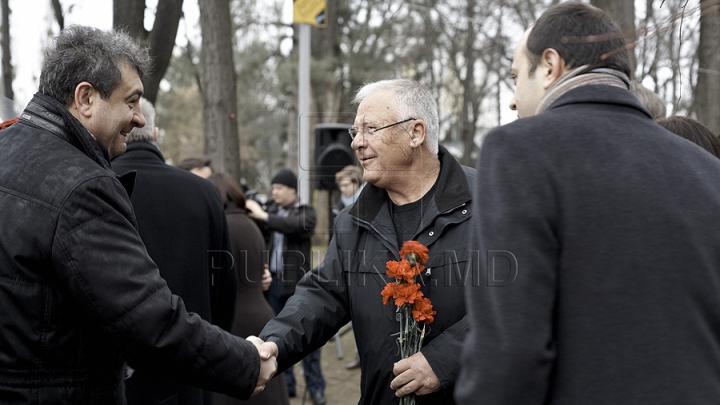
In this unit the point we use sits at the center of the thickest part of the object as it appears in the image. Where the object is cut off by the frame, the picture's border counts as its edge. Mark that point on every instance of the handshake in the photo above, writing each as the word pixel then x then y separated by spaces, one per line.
pixel 268 352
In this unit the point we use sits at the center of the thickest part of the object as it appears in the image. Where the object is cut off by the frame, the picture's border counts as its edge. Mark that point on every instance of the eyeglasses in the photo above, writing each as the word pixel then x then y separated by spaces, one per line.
pixel 353 130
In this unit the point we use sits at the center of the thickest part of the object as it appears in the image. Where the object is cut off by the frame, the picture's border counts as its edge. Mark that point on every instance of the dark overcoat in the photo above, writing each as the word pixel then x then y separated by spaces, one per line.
pixel 252 310
pixel 611 222
pixel 182 223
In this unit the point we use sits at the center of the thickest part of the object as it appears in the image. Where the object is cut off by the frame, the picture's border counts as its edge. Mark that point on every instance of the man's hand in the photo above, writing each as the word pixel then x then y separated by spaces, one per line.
pixel 266 279
pixel 268 363
pixel 268 350
pixel 255 210
pixel 414 374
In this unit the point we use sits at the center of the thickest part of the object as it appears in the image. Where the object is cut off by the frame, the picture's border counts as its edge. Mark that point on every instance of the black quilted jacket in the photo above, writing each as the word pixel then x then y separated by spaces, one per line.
pixel 78 292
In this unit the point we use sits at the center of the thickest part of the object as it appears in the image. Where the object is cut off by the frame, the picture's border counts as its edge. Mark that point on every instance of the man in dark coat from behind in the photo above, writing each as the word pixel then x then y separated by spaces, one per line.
pixel 182 223
pixel 610 225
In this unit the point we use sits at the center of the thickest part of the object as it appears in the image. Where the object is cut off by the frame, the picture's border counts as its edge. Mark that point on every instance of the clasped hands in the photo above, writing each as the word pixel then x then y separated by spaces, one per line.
pixel 268 352
pixel 413 375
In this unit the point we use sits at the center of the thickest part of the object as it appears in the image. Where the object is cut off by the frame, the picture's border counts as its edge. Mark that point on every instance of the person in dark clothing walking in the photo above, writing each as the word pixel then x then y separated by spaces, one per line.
pixel 79 293
pixel 288 226
pixel 182 224
pixel 692 130
pixel 252 310
pixel 610 289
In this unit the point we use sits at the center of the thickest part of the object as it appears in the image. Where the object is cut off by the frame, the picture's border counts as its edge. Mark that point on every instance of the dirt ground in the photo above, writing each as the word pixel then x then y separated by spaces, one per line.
pixel 342 385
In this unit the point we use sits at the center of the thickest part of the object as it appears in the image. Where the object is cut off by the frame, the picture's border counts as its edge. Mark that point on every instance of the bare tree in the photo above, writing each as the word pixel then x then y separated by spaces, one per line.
pixel 219 87
pixel 292 131
pixel 7 68
pixel 707 90
pixel 325 50
pixel 130 16
pixel 623 13
pixel 59 15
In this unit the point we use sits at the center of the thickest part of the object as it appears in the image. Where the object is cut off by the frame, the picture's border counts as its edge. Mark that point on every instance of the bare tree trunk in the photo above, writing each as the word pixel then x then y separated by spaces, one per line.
pixel 219 87
pixel 623 13
pixel 707 91
pixel 325 49
pixel 130 15
pixel 57 9
pixel 7 68
pixel 469 98
pixel 291 156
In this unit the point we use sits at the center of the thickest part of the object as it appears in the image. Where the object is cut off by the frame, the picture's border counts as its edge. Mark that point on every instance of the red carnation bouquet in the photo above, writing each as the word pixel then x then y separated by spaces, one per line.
pixel 414 312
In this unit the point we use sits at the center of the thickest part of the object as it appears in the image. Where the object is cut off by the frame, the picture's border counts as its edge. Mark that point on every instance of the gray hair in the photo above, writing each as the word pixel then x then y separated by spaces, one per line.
pixel 650 100
pixel 146 133
pixel 85 54
pixel 412 99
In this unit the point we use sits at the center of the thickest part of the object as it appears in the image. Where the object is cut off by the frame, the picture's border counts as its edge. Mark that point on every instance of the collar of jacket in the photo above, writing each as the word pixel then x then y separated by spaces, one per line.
pixel 274 208
pixel 600 94
pixel 451 192
pixel 46 113
pixel 51 115
pixel 142 150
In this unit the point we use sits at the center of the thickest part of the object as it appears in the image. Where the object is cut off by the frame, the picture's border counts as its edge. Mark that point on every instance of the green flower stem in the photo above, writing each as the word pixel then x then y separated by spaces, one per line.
pixel 410 337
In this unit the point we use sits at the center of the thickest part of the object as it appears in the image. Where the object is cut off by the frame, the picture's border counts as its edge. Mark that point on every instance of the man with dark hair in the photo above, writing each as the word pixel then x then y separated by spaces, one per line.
pixel 182 224
pixel 78 291
pixel 609 287
pixel 197 165
pixel 692 130
pixel 288 226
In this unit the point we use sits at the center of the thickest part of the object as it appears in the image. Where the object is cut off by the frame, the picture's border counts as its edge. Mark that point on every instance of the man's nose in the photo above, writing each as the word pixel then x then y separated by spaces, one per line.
pixel 139 119
pixel 358 141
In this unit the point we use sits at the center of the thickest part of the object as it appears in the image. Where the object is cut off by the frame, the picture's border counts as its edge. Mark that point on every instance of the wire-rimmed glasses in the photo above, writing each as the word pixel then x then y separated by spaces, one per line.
pixel 353 130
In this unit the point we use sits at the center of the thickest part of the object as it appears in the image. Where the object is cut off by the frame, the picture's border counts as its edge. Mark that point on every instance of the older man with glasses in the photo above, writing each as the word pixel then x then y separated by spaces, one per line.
pixel 416 191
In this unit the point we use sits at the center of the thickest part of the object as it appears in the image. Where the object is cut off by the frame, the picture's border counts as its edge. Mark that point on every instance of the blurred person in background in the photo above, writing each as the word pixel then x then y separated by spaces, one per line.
pixel 694 131
pixel 198 165
pixel 649 99
pixel 288 226
pixel 350 182
pixel 252 310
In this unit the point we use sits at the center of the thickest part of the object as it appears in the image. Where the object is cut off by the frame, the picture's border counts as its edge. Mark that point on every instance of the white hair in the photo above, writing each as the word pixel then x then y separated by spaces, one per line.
pixel 146 133
pixel 412 99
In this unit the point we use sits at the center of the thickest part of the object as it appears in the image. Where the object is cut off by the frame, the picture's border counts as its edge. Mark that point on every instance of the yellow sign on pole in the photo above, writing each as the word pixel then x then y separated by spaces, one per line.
pixel 310 12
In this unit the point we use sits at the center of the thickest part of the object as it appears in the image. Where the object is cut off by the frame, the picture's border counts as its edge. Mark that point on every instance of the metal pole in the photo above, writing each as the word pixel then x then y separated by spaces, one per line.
pixel 304 114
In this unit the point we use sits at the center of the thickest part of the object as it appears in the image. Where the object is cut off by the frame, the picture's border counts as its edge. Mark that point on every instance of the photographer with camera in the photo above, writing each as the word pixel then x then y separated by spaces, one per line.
pixel 288 226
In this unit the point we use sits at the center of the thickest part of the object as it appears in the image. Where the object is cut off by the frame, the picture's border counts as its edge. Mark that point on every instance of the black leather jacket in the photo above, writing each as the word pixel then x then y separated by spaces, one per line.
pixel 78 291
pixel 298 227
pixel 347 286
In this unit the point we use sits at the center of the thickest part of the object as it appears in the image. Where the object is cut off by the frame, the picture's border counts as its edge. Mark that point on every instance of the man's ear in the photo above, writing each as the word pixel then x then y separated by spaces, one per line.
pixel 85 97
pixel 417 132
pixel 553 66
